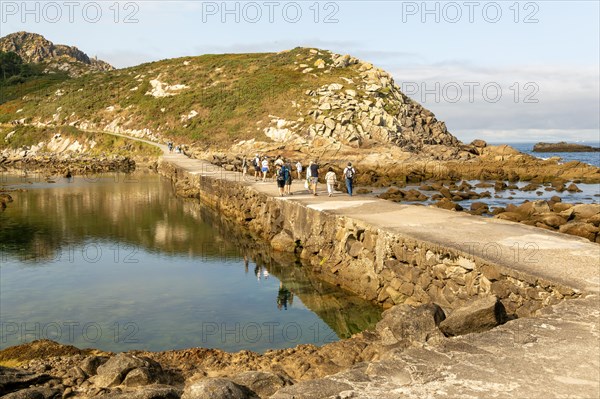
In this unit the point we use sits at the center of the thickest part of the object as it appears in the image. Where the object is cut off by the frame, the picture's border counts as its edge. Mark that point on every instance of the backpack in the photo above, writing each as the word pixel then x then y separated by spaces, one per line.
pixel 255 162
pixel 349 173
pixel 281 174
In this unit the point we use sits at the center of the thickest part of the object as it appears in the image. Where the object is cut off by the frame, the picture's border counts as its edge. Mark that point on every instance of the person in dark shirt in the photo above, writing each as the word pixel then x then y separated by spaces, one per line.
pixel 314 176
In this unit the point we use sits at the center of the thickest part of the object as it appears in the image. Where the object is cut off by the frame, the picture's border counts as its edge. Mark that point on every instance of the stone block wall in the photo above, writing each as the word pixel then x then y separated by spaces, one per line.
pixel 382 266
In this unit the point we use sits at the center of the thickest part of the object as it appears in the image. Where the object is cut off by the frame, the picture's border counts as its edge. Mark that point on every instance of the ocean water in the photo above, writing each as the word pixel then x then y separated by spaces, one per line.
pixel 592 158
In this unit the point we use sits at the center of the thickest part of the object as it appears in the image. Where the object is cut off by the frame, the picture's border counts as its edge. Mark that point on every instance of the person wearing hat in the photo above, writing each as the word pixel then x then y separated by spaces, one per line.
pixel 349 173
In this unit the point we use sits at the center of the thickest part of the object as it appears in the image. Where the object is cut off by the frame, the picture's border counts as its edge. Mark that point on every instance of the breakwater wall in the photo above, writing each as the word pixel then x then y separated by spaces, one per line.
pixel 384 266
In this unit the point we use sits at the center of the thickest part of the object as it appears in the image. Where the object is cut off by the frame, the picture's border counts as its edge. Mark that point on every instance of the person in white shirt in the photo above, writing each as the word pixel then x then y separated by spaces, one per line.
pixel 330 179
pixel 265 168
pixel 299 169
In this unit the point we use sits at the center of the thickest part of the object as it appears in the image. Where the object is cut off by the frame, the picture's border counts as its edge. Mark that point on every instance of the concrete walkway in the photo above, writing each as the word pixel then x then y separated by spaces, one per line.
pixel 561 258
pixel 555 355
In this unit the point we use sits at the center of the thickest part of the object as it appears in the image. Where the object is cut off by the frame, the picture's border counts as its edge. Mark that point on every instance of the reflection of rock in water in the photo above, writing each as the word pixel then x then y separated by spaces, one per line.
pixel 142 211
pixel 343 312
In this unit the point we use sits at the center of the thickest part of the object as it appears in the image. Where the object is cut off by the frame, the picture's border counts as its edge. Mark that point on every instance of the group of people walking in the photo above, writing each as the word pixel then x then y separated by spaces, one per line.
pixel 170 147
pixel 284 174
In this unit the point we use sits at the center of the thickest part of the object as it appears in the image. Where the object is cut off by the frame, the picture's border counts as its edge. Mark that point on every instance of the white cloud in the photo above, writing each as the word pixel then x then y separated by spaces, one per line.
pixel 519 101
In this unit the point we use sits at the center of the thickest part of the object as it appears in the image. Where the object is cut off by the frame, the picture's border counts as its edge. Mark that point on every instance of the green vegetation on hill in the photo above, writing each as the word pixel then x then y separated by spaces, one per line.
pixel 221 100
pixel 17 137
pixel 18 78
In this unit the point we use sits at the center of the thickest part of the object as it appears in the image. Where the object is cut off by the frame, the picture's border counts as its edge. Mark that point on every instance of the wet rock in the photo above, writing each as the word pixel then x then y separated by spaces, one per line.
pixel 585 230
pixel 116 370
pixel 478 315
pixel 585 211
pixel 530 187
pixel 500 186
pixel 216 388
pixel 34 393
pixel 13 379
pixel 90 364
pixel 315 389
pixel 405 326
pixel 283 242
pixel 595 220
pixel 533 207
pixel 551 219
pixel 151 392
pixel 414 195
pixel 560 207
pixel 392 194
pixel 475 206
pixel 573 188
pixel 448 204
pixel 263 383
pixel 445 192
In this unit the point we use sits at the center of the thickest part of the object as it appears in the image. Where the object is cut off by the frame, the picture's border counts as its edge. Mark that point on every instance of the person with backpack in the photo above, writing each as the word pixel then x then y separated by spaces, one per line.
pixel 349 173
pixel 280 177
pixel 256 163
pixel 288 178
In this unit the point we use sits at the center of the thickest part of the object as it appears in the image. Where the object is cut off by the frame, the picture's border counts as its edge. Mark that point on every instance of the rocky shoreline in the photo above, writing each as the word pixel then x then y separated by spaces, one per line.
pixel 563 147
pixel 390 166
pixel 582 220
pixel 47 369
pixel 52 165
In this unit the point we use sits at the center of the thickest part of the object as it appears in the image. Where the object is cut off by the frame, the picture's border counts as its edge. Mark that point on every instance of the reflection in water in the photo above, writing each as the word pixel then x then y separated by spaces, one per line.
pixel 284 296
pixel 120 263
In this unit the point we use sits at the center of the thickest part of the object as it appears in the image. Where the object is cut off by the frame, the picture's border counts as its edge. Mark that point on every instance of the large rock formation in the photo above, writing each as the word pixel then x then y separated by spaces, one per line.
pixel 357 105
pixel 564 147
pixel 35 48
pixel 371 108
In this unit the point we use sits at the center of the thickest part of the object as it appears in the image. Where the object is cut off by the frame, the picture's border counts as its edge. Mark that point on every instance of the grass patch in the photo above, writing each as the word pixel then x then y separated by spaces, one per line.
pixel 230 93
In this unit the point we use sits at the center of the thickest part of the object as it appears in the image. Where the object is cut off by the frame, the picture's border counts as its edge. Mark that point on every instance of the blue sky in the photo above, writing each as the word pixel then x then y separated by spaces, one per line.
pixel 503 71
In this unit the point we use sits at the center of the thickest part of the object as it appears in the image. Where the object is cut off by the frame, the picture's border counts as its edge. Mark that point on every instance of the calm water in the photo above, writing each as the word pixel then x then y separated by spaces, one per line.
pixel 120 263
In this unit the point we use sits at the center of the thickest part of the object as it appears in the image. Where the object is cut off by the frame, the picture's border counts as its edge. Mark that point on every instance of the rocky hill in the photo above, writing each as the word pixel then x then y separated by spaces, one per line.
pixel 297 99
pixel 35 48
